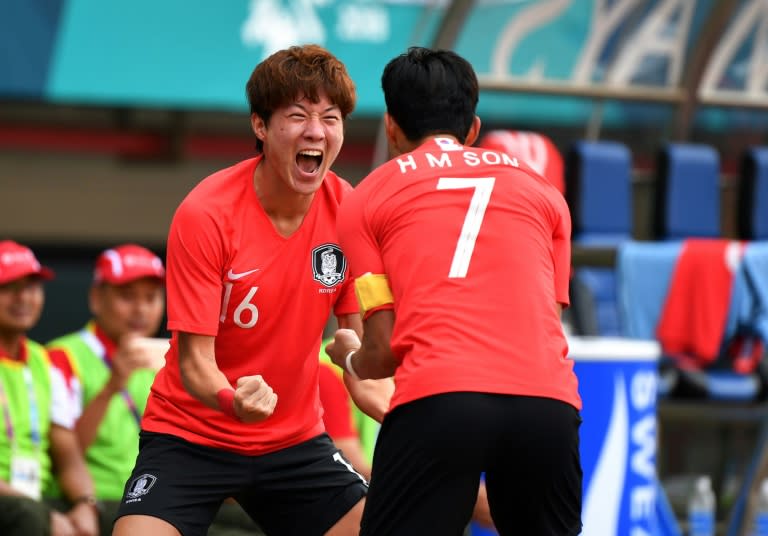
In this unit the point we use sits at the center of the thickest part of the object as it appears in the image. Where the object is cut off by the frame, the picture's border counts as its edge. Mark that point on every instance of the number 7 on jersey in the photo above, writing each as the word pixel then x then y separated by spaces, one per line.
pixel 483 187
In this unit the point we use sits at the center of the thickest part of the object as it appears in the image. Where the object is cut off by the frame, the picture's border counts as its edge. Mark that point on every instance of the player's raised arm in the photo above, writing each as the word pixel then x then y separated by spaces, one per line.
pixel 252 401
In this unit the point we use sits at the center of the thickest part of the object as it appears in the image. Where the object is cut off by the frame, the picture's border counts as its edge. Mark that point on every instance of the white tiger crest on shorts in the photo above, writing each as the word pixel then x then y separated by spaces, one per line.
pixel 140 486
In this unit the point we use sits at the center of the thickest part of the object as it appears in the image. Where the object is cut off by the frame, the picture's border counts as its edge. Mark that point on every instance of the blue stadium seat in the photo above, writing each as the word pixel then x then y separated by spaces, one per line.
pixel 599 194
pixel 687 192
pixel 753 195
pixel 594 306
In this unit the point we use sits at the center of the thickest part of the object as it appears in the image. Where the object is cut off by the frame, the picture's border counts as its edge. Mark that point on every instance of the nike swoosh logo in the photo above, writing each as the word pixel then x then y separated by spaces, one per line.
pixel 233 276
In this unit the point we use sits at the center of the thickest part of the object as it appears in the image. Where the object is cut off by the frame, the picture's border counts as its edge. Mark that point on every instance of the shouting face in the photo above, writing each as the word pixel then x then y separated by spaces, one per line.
pixel 301 142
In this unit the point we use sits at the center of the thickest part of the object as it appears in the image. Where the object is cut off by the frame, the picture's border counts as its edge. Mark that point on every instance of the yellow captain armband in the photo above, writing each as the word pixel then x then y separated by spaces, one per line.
pixel 372 291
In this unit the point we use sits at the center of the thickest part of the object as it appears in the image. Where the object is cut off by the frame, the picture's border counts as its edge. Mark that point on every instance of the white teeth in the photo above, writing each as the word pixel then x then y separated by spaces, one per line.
pixel 310 152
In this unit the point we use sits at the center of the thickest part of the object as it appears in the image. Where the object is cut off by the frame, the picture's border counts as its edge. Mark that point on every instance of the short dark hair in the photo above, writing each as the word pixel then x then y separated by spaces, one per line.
pixel 430 92
pixel 298 71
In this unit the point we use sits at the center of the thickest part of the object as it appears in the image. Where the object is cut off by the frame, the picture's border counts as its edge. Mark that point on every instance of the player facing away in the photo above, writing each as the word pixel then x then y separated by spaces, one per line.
pixel 254 270
pixel 461 258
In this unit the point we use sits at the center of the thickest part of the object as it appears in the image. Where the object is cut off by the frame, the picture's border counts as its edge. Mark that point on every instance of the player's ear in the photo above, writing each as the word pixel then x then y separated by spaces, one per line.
pixel 390 128
pixel 395 137
pixel 258 126
pixel 474 132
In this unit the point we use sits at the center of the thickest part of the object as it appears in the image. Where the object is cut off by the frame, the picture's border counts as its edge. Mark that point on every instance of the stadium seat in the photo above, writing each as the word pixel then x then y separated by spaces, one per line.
pixel 599 194
pixel 687 192
pixel 753 194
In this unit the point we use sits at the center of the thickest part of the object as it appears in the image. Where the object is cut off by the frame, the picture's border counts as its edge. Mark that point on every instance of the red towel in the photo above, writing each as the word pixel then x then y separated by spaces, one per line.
pixel 692 322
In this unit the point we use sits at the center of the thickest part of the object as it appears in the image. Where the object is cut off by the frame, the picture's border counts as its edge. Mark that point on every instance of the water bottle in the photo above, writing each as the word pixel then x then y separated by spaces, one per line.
pixel 701 508
pixel 760 525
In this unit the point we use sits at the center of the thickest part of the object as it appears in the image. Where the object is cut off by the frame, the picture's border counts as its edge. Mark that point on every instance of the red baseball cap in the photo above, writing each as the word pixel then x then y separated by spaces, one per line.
pixel 17 261
pixel 126 263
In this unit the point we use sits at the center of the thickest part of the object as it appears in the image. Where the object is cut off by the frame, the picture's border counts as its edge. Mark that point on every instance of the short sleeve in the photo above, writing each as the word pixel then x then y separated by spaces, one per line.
pixel 356 237
pixel 347 302
pixel 194 262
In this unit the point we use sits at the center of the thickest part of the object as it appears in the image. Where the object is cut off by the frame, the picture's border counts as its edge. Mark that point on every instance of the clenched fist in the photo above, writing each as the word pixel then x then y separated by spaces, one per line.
pixel 344 341
pixel 254 399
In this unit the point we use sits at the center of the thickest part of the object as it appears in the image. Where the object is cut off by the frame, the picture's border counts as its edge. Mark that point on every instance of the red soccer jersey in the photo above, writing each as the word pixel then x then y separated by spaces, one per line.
pixel 265 298
pixel 477 250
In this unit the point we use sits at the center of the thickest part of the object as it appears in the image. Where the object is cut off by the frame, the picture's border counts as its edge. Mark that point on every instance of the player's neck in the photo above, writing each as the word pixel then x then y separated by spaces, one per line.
pixel 285 207
pixel 406 146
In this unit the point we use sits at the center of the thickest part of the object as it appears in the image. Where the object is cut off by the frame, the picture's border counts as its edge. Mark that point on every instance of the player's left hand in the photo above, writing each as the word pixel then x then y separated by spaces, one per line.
pixel 344 342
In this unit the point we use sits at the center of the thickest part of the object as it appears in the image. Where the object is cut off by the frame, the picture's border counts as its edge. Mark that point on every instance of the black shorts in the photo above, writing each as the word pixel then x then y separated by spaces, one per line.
pixel 430 454
pixel 301 490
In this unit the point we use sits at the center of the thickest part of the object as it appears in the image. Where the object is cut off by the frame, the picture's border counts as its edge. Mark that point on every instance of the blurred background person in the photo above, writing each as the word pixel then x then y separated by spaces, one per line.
pixel 33 410
pixel 110 364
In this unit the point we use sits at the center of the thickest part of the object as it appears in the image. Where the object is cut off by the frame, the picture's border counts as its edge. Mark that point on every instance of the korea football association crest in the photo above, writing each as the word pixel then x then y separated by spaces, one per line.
pixel 140 486
pixel 328 264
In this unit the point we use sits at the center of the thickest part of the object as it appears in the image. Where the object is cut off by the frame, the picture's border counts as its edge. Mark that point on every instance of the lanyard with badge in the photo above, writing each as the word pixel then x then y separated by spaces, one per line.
pixel 26 469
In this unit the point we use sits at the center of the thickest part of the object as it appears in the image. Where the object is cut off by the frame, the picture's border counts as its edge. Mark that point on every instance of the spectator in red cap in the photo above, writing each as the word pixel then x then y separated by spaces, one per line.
pixel 110 365
pixel 535 149
pixel 32 395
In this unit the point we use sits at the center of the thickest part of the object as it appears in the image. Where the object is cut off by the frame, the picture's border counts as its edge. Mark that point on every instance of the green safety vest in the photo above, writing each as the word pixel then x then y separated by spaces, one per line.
pixel 16 403
pixel 112 454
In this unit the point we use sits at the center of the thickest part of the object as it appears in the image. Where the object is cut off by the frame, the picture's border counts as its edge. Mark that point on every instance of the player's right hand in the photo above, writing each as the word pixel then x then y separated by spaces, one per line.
pixel 254 399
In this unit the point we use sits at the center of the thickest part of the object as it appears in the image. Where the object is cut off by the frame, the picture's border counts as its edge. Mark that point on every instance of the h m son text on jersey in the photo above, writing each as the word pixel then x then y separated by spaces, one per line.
pixel 413 161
